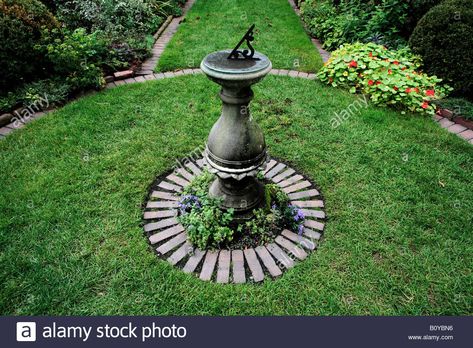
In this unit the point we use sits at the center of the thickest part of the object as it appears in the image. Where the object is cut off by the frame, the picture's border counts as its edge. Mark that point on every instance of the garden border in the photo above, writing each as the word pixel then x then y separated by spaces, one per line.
pixel 250 265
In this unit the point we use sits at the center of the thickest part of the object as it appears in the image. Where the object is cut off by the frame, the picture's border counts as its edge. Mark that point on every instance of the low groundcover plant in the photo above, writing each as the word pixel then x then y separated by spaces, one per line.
pixel 389 77
pixel 209 226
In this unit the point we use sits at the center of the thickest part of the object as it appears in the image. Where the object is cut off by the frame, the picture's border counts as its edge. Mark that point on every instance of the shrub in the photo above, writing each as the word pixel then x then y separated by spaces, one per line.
pixel 444 39
pixel 20 23
pixel 76 55
pixel 389 77
pixel 349 21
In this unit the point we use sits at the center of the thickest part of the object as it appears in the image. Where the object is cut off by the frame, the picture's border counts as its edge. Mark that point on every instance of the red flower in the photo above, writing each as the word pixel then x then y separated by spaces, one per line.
pixel 390 72
pixel 330 80
pixel 396 62
pixel 395 88
pixel 403 68
pixel 378 82
pixel 408 90
pixel 425 105
pixel 353 64
pixel 371 54
pixel 370 82
pixel 430 92
pixel 416 89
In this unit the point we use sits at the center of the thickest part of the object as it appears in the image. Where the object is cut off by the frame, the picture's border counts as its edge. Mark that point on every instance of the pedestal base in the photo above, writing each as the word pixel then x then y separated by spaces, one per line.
pixel 241 195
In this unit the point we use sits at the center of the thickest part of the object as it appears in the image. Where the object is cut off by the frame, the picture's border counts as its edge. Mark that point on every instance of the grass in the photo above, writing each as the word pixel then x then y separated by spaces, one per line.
pixel 398 240
pixel 215 25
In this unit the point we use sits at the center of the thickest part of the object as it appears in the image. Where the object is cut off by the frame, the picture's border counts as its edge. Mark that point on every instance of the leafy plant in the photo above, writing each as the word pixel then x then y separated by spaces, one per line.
pixel 389 77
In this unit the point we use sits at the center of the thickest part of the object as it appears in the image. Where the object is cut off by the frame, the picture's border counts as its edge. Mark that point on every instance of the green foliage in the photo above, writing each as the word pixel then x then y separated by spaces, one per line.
pixel 444 39
pixel 20 23
pixel 389 77
pixel 75 55
pixel 200 185
pixel 354 20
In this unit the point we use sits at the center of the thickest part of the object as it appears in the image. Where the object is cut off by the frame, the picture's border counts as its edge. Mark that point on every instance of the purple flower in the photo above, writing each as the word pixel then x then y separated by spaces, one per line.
pixel 187 202
pixel 297 214
pixel 300 229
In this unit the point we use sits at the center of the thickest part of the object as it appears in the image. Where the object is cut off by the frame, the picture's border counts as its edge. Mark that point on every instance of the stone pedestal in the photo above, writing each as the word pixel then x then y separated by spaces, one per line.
pixel 236 150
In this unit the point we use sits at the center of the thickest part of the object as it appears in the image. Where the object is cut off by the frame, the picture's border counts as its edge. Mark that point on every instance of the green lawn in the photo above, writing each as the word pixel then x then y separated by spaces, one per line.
pixel 215 25
pixel 397 188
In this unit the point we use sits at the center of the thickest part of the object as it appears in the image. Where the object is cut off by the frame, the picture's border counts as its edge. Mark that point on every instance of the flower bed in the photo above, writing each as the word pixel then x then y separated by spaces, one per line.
pixel 389 77
pixel 208 226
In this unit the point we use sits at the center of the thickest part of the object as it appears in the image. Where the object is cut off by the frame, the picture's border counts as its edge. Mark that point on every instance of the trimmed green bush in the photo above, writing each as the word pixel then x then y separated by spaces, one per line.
pixel 20 24
pixel 444 39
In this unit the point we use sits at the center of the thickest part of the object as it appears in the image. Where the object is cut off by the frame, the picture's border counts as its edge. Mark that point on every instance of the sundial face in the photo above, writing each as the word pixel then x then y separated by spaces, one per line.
pixel 218 61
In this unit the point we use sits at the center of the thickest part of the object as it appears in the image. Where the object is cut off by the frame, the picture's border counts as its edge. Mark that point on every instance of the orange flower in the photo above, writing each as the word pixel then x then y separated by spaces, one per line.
pixel 370 82
pixel 408 90
pixel 430 92
pixel 416 89
pixel 371 54
pixel 425 105
pixel 390 72
pixel 396 62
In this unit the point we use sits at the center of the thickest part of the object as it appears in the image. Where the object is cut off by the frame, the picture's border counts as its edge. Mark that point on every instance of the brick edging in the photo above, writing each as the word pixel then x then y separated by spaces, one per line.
pixel 455 128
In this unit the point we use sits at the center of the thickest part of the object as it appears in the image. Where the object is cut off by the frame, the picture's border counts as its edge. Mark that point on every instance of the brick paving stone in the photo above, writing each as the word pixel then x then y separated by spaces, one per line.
pixel 314 213
pixel 153 226
pixel 119 83
pixel 268 261
pixel 193 261
pixel 303 194
pixel 130 80
pixel 312 234
pixel 308 204
pixel 293 73
pixel 293 179
pixel 161 204
pixel 283 72
pixel 283 175
pixel 312 76
pixel 180 181
pixel 223 268
pixel 456 128
pixel 193 168
pixel 187 71
pixel 254 265
pixel 274 72
pixel 275 170
pixel 209 265
pixel 303 75
pixel 168 186
pixel 169 74
pixel 296 187
pixel 110 85
pixel 5 131
pixel 437 117
pixel 283 258
pixel 164 195
pixel 140 79
pixel 172 244
pixel 165 234
pixel 314 224
pixel 299 240
pixel 200 162
pixel 467 135
pixel 294 249
pixel 148 215
pixel 184 250
pixel 445 123
pixel 185 174
pixel 270 165
pixel 159 76
pixel 197 71
pixel 123 74
pixel 178 73
pixel 149 77
pixel 238 270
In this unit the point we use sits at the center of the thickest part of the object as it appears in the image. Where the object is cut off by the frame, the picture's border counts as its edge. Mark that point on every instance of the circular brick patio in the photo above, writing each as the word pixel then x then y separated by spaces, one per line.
pixel 168 237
